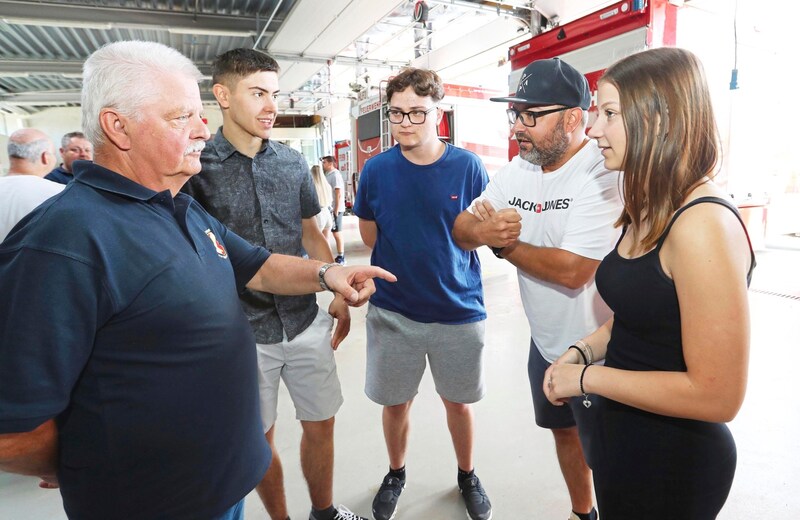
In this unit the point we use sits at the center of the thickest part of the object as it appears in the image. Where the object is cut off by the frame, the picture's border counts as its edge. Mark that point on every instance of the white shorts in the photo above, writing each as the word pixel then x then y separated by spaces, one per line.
pixel 308 369
pixel 324 219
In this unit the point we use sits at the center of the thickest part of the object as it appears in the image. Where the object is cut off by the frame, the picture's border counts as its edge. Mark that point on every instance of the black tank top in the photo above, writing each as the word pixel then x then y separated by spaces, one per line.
pixel 648 465
pixel 645 304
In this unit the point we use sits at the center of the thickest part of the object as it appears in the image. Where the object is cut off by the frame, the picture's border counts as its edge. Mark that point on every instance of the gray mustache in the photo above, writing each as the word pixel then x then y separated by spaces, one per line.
pixel 196 146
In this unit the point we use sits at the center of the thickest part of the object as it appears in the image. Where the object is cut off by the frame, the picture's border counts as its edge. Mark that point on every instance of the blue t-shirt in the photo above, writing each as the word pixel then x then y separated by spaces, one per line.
pixel 127 329
pixel 414 208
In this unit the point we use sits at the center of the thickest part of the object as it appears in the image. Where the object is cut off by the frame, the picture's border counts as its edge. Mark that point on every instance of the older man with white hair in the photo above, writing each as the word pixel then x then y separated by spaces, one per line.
pixel 30 154
pixel 132 396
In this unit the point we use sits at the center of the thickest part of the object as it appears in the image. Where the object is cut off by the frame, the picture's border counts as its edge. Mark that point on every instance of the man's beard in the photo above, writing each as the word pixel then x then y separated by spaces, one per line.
pixel 546 152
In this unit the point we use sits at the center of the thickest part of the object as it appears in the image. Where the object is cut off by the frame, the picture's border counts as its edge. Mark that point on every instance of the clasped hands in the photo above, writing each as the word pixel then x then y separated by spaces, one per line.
pixel 562 378
pixel 499 228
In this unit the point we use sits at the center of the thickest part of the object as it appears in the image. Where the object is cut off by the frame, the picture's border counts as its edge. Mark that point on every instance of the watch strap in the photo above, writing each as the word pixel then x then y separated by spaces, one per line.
pixel 322 270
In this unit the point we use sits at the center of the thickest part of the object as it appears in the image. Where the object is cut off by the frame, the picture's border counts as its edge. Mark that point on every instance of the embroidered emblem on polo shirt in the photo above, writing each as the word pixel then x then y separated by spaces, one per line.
pixel 217 245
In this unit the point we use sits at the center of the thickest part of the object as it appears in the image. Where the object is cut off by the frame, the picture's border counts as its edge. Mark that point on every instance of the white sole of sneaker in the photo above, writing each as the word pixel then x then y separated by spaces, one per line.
pixel 470 518
pixel 391 517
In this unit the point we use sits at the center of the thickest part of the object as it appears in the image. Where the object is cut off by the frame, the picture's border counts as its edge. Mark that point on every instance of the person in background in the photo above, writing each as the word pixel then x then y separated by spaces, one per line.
pixel 676 348
pixel 74 146
pixel 334 177
pixel 324 193
pixel 245 173
pixel 408 199
pixel 550 212
pixel 139 395
pixel 31 157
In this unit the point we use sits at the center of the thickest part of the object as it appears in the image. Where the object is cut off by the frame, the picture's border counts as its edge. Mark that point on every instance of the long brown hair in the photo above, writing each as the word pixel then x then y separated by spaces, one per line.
pixel 671 134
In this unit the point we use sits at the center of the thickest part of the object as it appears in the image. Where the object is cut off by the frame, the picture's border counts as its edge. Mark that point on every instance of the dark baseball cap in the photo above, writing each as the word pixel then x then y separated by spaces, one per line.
pixel 551 82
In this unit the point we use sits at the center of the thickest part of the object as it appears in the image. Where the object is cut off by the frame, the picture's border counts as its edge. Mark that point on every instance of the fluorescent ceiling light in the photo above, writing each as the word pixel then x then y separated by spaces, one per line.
pixel 58 23
pixel 210 32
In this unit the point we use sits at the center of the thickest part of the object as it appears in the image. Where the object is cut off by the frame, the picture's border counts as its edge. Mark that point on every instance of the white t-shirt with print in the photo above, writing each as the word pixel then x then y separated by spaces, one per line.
pixel 573 208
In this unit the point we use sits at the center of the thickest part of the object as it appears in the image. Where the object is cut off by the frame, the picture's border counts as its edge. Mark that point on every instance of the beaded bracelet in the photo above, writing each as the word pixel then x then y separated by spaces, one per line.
pixel 586 402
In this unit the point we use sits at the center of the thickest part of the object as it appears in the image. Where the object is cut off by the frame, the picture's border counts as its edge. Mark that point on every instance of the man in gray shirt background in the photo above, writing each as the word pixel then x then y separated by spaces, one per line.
pixel 336 181
pixel 263 191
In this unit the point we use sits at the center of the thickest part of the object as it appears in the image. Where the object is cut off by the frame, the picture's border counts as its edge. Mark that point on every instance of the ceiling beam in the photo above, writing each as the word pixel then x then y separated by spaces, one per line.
pixel 72 68
pixel 103 17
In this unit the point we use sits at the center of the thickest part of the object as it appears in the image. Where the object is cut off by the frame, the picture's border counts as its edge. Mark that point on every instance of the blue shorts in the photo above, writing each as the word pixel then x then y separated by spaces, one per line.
pixel 547 414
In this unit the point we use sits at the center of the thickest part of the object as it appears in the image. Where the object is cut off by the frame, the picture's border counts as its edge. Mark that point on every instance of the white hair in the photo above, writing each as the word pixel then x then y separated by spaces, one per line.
pixel 30 151
pixel 120 75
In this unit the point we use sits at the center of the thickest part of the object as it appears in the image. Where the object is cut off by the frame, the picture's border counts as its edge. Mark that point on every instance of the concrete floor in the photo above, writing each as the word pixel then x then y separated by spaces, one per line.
pixel 514 458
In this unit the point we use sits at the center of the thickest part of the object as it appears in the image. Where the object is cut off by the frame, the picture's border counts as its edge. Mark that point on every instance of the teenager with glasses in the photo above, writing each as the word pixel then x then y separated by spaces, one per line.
pixel 415 117
pixel 408 198
pixel 551 213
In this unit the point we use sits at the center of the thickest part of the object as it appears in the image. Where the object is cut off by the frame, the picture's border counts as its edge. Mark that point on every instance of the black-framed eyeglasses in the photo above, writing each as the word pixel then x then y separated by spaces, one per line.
pixel 415 117
pixel 528 117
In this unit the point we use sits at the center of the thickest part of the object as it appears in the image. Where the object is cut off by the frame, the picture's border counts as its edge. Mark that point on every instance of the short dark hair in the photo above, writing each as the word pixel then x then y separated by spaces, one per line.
pixel 235 64
pixel 329 158
pixel 424 82
pixel 68 136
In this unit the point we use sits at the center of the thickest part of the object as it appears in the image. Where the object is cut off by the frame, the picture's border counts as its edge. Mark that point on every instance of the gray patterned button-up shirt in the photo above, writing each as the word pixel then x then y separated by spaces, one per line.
pixel 263 200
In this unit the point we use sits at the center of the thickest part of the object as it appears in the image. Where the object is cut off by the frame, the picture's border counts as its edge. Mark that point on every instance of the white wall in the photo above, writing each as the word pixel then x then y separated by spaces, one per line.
pixel 56 122
pixel 756 120
pixel 8 125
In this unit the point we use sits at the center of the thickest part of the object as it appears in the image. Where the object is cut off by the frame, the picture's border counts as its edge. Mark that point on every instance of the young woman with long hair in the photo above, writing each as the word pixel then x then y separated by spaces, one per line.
pixel 676 348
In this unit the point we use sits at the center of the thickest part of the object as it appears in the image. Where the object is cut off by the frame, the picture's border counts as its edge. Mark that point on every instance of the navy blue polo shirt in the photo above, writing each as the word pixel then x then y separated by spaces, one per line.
pixel 128 330
pixel 59 175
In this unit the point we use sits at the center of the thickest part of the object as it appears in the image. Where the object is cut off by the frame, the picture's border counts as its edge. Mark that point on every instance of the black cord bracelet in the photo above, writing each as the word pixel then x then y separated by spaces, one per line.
pixel 586 402
pixel 583 356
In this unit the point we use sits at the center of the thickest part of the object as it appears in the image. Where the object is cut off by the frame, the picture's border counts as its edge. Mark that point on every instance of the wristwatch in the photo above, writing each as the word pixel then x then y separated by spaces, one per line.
pixel 497 251
pixel 322 271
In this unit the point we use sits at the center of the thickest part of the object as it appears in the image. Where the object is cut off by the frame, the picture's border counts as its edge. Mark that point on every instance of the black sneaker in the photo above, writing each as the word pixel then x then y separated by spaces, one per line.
pixel 478 505
pixel 384 506
pixel 592 515
pixel 339 259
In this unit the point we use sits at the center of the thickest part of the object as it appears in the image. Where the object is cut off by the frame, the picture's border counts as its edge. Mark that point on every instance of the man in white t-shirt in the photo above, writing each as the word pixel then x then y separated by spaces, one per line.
pixel 31 156
pixel 551 213
pixel 336 181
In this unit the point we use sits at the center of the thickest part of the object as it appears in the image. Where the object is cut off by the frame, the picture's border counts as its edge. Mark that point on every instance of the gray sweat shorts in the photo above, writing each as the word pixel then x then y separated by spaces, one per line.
pixel 397 349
